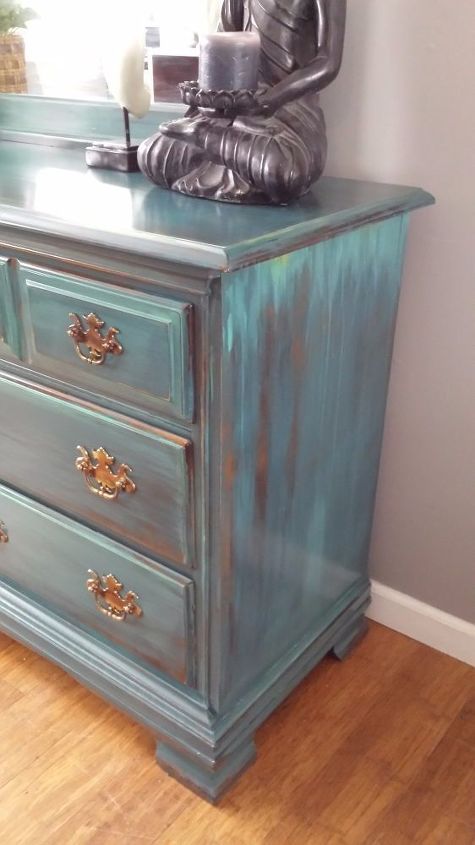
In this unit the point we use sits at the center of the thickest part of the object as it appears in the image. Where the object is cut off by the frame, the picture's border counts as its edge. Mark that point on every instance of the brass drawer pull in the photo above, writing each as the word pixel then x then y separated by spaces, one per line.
pixel 99 476
pixel 3 532
pixel 107 592
pixel 99 347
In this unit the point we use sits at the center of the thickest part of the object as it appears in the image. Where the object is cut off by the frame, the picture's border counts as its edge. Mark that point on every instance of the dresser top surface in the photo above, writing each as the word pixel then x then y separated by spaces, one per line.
pixel 51 191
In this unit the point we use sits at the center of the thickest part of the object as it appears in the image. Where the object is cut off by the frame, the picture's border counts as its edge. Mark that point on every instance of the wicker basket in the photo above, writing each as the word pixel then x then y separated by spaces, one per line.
pixel 12 65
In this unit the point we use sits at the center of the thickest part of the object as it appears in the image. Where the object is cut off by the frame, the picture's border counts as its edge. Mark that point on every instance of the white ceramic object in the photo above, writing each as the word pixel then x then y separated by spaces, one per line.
pixel 123 65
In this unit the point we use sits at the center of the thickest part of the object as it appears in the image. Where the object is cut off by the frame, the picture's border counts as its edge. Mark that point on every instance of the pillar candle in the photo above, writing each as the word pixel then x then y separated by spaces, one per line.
pixel 229 61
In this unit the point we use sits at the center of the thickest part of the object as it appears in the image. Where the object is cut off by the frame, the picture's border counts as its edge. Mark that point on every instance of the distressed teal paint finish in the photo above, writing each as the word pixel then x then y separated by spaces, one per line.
pixel 307 345
pixel 53 193
pixel 264 493
pixel 39 435
pixel 155 366
pixel 10 343
pixel 50 560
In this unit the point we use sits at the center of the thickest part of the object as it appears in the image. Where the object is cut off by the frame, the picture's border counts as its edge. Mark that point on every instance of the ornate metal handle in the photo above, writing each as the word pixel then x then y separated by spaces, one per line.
pixel 99 476
pixel 90 336
pixel 107 592
pixel 3 532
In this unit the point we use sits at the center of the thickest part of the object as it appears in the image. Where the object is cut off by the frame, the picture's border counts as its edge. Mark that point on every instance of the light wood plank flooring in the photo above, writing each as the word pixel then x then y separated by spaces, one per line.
pixel 379 750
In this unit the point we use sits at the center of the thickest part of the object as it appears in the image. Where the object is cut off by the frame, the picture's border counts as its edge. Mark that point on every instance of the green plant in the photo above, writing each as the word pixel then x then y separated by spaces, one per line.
pixel 13 16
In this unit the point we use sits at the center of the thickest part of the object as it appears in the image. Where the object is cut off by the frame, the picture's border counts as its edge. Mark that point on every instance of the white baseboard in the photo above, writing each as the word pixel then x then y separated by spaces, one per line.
pixel 423 623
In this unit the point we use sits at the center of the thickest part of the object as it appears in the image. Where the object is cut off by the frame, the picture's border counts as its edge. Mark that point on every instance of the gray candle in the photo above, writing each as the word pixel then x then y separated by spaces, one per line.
pixel 229 61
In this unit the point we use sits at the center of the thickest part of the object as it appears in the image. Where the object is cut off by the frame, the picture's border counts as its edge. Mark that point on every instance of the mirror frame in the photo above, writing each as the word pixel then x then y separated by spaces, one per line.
pixel 36 119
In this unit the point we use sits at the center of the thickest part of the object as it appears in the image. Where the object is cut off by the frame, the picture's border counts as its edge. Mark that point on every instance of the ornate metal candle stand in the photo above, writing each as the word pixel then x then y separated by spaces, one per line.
pixel 218 103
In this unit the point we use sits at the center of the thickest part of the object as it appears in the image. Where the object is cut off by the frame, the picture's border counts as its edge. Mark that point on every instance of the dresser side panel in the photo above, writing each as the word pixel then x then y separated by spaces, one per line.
pixel 306 351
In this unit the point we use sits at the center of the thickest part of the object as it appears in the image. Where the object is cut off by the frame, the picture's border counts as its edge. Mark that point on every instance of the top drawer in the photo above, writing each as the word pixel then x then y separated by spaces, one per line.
pixel 137 341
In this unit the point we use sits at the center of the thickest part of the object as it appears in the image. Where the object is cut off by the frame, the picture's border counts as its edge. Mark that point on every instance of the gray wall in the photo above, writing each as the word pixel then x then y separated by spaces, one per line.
pixel 402 111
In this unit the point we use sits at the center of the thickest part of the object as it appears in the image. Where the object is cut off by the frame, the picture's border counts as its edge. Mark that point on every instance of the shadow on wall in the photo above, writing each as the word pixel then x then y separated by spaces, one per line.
pixel 394 90
pixel 343 102
pixel 402 111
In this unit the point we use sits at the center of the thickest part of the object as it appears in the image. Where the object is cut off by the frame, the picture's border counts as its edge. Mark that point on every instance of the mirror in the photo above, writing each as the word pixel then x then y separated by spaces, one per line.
pixel 58 53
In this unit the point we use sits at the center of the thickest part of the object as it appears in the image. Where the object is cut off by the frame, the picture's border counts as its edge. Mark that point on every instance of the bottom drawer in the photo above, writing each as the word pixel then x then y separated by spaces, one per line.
pixel 53 559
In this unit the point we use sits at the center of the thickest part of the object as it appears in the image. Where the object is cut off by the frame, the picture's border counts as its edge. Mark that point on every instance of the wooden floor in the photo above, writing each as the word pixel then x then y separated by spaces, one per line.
pixel 379 750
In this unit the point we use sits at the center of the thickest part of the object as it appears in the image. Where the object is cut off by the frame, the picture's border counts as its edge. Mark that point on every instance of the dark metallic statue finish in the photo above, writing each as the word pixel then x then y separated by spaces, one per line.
pixel 275 154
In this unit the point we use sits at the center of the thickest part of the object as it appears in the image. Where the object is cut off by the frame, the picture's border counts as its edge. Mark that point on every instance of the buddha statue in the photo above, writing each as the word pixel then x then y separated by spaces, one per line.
pixel 275 153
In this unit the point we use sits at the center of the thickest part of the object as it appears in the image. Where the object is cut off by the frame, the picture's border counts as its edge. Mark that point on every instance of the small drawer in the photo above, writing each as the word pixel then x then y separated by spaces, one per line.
pixel 149 504
pixel 132 347
pixel 142 607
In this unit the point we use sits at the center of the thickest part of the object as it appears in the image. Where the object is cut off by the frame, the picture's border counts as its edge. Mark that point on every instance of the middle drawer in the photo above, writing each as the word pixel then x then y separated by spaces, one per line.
pixel 128 479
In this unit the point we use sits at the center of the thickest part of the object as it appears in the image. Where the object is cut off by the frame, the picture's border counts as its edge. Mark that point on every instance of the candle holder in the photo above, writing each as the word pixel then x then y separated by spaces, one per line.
pixel 223 103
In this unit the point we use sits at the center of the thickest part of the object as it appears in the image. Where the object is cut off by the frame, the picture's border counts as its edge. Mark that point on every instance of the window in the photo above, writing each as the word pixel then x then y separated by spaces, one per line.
pixel 64 44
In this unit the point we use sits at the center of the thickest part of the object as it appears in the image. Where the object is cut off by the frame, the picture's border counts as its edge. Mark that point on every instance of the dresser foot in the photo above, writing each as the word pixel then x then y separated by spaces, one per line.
pixel 350 637
pixel 206 776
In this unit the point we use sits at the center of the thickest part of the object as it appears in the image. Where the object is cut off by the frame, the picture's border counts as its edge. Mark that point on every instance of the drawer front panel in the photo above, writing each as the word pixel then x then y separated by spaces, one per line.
pixel 39 438
pixel 48 557
pixel 9 332
pixel 150 352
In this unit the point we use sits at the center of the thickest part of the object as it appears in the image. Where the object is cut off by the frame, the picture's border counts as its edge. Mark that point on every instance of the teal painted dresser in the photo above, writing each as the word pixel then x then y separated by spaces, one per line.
pixel 192 400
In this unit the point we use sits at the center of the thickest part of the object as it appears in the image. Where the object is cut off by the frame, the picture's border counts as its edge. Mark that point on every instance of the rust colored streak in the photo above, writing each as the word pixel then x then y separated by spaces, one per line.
pixel 292 452
pixel 299 360
pixel 230 470
pixel 297 352
pixel 262 468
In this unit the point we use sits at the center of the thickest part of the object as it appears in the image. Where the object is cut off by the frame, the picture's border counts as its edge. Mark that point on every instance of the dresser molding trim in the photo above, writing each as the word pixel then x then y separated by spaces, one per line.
pixel 286 674
pixel 224 259
pixel 117 267
pixel 204 752
pixel 164 247
pixel 150 222
pixel 153 700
